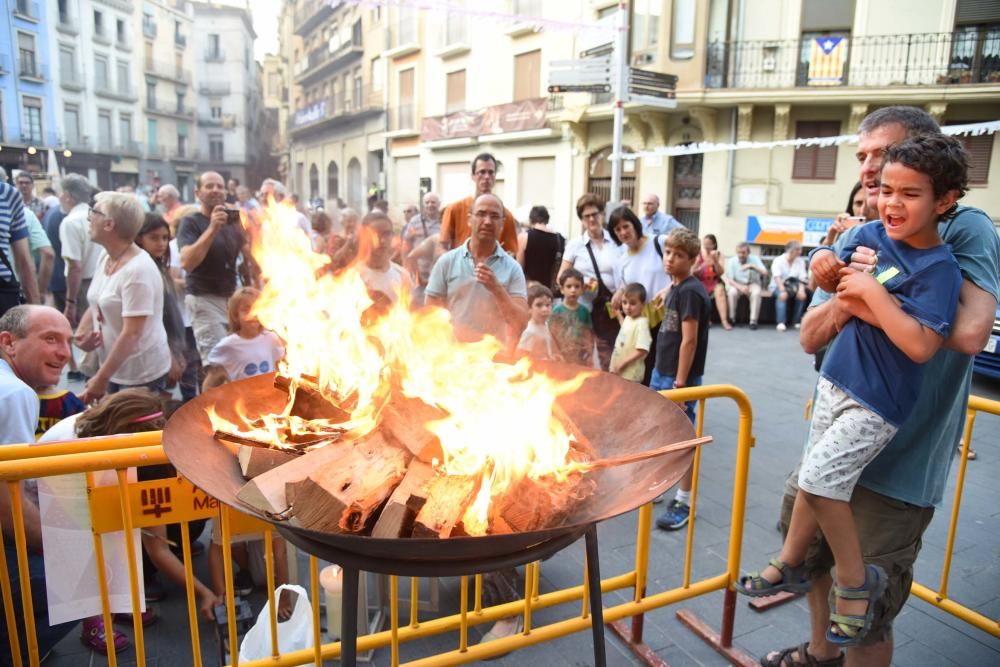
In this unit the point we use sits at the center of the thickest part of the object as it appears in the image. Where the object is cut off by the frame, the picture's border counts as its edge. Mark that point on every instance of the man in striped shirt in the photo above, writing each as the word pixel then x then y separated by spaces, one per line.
pixel 14 244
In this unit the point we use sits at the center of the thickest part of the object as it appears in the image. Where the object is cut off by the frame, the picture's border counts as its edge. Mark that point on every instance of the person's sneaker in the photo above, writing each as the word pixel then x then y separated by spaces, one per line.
pixel 243 583
pixel 753 326
pixel 676 516
pixel 781 327
pixel 798 325
pixel 148 618
pixel 93 636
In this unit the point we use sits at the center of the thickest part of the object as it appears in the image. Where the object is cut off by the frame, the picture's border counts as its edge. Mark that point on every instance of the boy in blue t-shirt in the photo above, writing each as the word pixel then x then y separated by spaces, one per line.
pixel 871 375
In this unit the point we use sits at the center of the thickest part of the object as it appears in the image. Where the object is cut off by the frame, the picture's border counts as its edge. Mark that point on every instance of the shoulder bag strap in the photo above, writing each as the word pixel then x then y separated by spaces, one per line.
pixel 597 270
pixel 656 244
pixel 13 275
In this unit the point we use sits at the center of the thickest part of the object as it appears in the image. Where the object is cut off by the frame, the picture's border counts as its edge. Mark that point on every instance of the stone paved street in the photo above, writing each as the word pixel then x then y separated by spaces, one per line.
pixel 778 378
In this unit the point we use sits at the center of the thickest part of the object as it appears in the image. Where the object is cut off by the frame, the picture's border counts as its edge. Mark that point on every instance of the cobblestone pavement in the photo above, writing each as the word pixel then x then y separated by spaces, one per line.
pixel 770 367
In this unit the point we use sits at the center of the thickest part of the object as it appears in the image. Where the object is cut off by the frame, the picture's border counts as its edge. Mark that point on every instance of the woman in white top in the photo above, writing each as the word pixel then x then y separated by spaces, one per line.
pixel 577 255
pixel 789 277
pixel 640 262
pixel 124 322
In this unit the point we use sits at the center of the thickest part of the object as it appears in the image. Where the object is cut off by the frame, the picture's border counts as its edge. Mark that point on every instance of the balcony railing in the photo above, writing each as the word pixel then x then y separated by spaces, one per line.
pixel 168 108
pixel 215 55
pixel 960 57
pixel 102 38
pixel 323 61
pixel 361 99
pixel 129 147
pixel 149 29
pixel 180 40
pixel 28 65
pixel 214 88
pixel 166 70
pixel 312 13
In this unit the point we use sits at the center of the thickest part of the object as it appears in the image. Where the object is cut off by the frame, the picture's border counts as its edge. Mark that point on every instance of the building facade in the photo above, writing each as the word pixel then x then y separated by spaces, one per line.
pixel 27 107
pixel 171 85
pixel 336 125
pixel 228 98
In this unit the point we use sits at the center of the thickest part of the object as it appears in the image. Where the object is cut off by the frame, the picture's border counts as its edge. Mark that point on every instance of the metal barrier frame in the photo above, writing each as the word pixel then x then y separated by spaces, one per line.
pixel 121 452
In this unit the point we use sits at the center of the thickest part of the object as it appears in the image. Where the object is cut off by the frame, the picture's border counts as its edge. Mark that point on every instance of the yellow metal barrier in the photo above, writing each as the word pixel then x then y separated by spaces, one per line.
pixel 939 598
pixel 143 504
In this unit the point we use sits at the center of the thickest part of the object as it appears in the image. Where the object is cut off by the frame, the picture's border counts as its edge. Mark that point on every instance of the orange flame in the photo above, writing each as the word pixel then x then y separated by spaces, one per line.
pixel 500 423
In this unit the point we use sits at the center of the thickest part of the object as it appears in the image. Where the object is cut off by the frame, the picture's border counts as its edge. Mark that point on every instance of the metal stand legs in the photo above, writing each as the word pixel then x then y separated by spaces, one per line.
pixel 349 618
pixel 596 603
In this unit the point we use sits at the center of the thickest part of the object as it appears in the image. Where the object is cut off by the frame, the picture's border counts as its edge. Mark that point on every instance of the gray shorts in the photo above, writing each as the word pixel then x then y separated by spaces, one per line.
pixel 209 317
pixel 844 437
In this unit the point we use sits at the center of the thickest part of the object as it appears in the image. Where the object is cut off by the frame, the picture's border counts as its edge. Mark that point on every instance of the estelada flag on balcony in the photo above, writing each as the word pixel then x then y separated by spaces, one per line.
pixel 826 61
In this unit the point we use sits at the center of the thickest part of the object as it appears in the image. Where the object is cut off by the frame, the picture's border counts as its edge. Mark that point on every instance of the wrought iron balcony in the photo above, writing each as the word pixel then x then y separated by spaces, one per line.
pixel 311 13
pixel 360 100
pixel 166 70
pixel 967 56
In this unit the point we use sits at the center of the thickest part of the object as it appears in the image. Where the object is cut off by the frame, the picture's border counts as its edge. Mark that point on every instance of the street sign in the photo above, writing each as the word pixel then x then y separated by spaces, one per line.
pixel 598 51
pixel 580 76
pixel 652 88
pixel 592 88
pixel 652 78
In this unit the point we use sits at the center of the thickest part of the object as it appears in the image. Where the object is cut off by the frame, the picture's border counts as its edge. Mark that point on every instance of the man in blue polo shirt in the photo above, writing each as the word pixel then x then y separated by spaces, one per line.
pixel 479 283
pixel 895 498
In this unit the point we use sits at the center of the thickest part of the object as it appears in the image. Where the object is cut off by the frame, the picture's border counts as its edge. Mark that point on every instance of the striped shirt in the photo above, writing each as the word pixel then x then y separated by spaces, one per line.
pixel 13 226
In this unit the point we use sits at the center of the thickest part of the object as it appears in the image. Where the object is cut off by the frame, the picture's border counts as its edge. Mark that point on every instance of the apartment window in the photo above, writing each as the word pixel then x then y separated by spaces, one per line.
pixel 26 54
pixel 215 148
pixel 151 135
pixel 215 108
pixel 151 94
pixel 71 123
pixel 179 64
pixel 681 31
pixel 356 33
pixel 149 55
pixel 347 91
pixel 148 24
pixel 529 8
pixel 31 124
pixel 63 11
pixel 527 75
pixel 646 25
pixel 120 31
pixel 180 101
pixel 182 143
pixel 125 130
pixel 214 47
pixel 980 149
pixel 975 52
pixel 124 78
pixel 815 162
pixel 456 91
pixel 358 89
pixel 101 73
pixel 455 25
pixel 273 84
pixel 405 118
pixel 67 64
pixel 376 74
pixel 98 23
pixel 104 130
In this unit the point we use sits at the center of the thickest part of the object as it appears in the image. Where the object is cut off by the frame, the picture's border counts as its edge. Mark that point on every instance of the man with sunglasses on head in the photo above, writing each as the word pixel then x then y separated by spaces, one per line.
pixel 455 227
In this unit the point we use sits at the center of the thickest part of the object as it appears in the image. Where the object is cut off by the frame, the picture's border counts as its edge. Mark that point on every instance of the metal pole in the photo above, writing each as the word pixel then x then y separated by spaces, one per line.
pixel 596 603
pixel 349 617
pixel 620 62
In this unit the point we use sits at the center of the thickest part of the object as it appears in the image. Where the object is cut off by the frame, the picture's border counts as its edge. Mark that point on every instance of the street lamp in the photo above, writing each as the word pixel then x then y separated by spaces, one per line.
pixel 67 153
pixel 32 150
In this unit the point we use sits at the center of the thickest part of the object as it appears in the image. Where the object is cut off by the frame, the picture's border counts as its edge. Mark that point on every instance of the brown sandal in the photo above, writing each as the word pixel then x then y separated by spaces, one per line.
pixel 784 658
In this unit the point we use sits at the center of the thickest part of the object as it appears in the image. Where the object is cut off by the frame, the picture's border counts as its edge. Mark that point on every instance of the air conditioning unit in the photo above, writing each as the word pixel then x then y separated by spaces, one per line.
pixel 769 63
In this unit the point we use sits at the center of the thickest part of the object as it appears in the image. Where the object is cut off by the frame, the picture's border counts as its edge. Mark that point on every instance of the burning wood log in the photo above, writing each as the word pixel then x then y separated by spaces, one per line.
pixel 537 504
pixel 399 514
pixel 310 402
pixel 343 496
pixel 580 442
pixel 242 440
pixel 404 420
pixel 448 496
pixel 255 461
pixel 266 491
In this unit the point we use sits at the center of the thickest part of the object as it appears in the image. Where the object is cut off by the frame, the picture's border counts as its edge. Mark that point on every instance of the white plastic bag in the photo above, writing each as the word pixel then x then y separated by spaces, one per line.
pixel 293 635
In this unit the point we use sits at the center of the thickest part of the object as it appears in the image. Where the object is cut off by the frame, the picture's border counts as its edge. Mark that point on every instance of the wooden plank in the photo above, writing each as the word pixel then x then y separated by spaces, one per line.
pixel 255 461
pixel 400 512
pixel 344 496
pixel 310 402
pixel 404 421
pixel 448 496
pixel 266 492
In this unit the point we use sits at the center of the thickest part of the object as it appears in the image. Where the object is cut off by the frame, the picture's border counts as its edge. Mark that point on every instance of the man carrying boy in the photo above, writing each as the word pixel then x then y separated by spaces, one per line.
pixel 681 345
pixel 894 501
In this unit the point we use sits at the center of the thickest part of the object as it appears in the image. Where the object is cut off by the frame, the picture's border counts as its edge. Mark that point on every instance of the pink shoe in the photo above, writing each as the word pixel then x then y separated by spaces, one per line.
pixel 94 637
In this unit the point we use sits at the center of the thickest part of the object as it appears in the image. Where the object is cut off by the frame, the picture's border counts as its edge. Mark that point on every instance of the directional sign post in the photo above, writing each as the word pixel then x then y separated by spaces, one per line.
pixel 592 75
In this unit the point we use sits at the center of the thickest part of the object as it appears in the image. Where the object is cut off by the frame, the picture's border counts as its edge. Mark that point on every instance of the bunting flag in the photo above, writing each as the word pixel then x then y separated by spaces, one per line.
pixel 970 129
pixel 827 56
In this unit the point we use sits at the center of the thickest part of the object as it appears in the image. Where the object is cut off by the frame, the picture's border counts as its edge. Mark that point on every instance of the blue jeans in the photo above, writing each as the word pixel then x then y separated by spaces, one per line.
pixel 781 309
pixel 46 635
pixel 663 382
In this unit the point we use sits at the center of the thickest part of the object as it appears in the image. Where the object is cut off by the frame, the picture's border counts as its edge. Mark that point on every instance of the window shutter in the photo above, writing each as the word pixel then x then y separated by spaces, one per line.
pixel 980 149
pixel 977 11
pixel 815 162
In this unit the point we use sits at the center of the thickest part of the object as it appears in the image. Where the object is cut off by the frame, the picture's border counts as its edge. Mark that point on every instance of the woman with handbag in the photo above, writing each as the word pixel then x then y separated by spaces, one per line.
pixel 124 322
pixel 594 255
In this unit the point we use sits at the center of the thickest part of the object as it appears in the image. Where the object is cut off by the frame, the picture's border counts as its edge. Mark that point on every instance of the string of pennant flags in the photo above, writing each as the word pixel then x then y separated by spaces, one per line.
pixel 444 7
pixel 967 129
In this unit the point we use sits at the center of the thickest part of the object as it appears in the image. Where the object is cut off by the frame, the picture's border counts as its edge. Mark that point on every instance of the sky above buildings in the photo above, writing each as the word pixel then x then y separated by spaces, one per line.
pixel 265 24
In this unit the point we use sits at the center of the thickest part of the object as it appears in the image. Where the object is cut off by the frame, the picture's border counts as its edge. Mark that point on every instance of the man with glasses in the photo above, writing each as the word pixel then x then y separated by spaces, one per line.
pixel 78 251
pixel 455 227
pixel 26 186
pixel 654 221
pixel 417 228
pixel 482 286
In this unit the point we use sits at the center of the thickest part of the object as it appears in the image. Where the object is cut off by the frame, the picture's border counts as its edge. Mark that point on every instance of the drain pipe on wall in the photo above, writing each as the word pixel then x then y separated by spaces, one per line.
pixel 731 162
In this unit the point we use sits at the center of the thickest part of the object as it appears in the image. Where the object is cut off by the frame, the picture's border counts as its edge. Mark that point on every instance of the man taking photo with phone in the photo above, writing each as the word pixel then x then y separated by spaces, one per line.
pixel 210 243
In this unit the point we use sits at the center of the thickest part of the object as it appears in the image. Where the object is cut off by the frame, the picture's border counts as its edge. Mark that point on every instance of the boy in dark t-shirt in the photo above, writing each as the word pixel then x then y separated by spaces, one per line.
pixel 681 345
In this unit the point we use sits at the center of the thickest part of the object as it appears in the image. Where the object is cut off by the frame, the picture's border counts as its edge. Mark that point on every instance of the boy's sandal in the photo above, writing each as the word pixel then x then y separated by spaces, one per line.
pixel 852 628
pixel 793 580
pixel 786 657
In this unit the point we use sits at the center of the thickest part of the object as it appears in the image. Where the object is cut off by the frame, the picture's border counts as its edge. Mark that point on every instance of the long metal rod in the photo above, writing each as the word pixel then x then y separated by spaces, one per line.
pixel 620 62
pixel 596 601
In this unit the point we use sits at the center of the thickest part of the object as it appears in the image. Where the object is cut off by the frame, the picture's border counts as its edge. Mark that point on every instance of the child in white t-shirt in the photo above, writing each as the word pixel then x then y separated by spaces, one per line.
pixel 634 340
pixel 249 349
pixel 536 340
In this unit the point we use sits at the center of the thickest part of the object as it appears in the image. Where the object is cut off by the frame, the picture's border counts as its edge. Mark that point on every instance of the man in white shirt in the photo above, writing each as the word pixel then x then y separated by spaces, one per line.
pixel 788 280
pixel 745 274
pixel 79 252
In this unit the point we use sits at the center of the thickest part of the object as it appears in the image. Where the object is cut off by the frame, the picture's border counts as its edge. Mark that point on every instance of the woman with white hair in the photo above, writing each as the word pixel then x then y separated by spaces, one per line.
pixel 124 322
